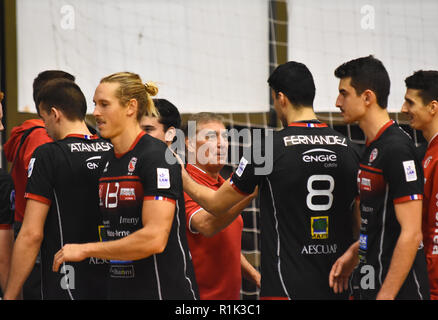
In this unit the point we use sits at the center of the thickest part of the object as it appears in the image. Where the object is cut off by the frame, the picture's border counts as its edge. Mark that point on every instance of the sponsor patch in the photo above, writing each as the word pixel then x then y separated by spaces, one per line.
pixel 319 227
pixel 410 172
pixel 242 166
pixel 163 178
pixel 363 242
pixel 30 167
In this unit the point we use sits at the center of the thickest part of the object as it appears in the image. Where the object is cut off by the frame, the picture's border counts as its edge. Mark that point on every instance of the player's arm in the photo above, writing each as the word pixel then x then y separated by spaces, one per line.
pixel 249 272
pixel 215 202
pixel 157 218
pixel 209 225
pixel 343 267
pixel 27 246
pixel 409 217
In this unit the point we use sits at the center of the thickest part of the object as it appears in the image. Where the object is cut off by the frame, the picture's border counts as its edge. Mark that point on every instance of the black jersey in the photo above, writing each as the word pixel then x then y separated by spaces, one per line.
pixel 389 173
pixel 305 208
pixel 127 180
pixel 64 175
pixel 7 199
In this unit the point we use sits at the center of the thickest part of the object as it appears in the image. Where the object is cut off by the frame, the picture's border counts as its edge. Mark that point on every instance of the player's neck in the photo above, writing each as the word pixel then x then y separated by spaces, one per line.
pixel 73 127
pixel 123 141
pixel 300 114
pixel 430 131
pixel 373 121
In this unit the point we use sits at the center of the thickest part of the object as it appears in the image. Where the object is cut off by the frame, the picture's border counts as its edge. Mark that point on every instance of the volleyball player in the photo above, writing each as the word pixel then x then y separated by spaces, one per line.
pixel 305 201
pixel 62 199
pixel 391 256
pixel 165 125
pixel 421 107
pixel 141 200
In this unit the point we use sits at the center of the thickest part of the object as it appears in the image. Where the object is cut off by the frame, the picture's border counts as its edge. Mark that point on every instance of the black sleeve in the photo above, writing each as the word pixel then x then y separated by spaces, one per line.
pixel 246 177
pixel 7 200
pixel 403 172
pixel 41 173
pixel 159 178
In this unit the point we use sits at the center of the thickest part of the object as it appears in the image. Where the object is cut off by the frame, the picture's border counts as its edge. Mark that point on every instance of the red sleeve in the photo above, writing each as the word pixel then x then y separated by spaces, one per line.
pixel 191 208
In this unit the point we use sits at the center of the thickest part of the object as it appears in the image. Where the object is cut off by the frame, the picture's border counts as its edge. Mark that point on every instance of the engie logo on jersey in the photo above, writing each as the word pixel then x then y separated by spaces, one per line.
pixel 410 172
pixel 163 178
pixel 30 167
pixel 319 227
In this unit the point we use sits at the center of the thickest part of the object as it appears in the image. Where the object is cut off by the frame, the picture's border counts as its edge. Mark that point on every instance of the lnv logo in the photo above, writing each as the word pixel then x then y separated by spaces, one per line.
pixel 68 280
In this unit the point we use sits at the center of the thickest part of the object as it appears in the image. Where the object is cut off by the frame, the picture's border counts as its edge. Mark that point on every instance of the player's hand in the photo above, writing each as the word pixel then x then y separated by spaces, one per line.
pixel 69 253
pixel 341 271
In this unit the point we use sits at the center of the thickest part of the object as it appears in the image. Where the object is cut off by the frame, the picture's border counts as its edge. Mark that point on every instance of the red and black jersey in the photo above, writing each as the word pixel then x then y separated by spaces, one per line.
pixel 430 214
pixel 305 207
pixel 389 173
pixel 7 197
pixel 127 180
pixel 64 175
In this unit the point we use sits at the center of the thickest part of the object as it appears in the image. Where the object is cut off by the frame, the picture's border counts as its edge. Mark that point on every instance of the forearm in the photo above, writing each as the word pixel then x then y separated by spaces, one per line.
pixel 402 259
pixel 138 245
pixel 249 272
pixel 209 225
pixel 24 255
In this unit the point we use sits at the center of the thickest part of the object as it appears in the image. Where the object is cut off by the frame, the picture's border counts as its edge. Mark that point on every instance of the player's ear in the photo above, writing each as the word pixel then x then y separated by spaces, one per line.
pixel 369 97
pixel 55 112
pixel 170 134
pixel 433 107
pixel 132 107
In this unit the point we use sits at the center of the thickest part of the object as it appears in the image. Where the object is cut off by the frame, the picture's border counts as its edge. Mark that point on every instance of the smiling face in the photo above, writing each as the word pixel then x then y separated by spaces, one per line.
pixel 418 113
pixel 351 105
pixel 110 115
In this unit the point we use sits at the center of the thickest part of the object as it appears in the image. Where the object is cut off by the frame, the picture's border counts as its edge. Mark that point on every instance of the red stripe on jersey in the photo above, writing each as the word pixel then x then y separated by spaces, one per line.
pixel 274 298
pixel 38 198
pixel 83 136
pixel 5 226
pixel 382 129
pixel 141 134
pixel 371 168
pixel 408 198
pixel 159 198
pixel 119 178
pixel 308 125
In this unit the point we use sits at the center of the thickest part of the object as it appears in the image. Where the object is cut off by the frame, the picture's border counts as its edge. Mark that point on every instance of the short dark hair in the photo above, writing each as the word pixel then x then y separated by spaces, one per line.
pixel 45 76
pixel 66 96
pixel 295 81
pixel 367 73
pixel 426 81
pixel 169 114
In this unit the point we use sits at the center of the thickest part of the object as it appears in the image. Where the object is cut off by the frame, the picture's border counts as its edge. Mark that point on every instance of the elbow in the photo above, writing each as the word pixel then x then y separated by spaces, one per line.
pixel 159 244
pixel 31 236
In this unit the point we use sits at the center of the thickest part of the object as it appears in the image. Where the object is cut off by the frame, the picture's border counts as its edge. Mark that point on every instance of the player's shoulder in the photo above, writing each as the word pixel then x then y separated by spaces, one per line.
pixel 150 147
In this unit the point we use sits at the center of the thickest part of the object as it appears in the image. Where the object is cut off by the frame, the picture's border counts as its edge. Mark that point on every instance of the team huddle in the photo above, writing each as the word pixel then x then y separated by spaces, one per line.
pixel 115 214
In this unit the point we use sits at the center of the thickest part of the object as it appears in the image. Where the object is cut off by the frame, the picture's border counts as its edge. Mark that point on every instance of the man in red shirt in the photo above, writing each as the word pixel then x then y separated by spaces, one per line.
pixel 421 107
pixel 215 242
